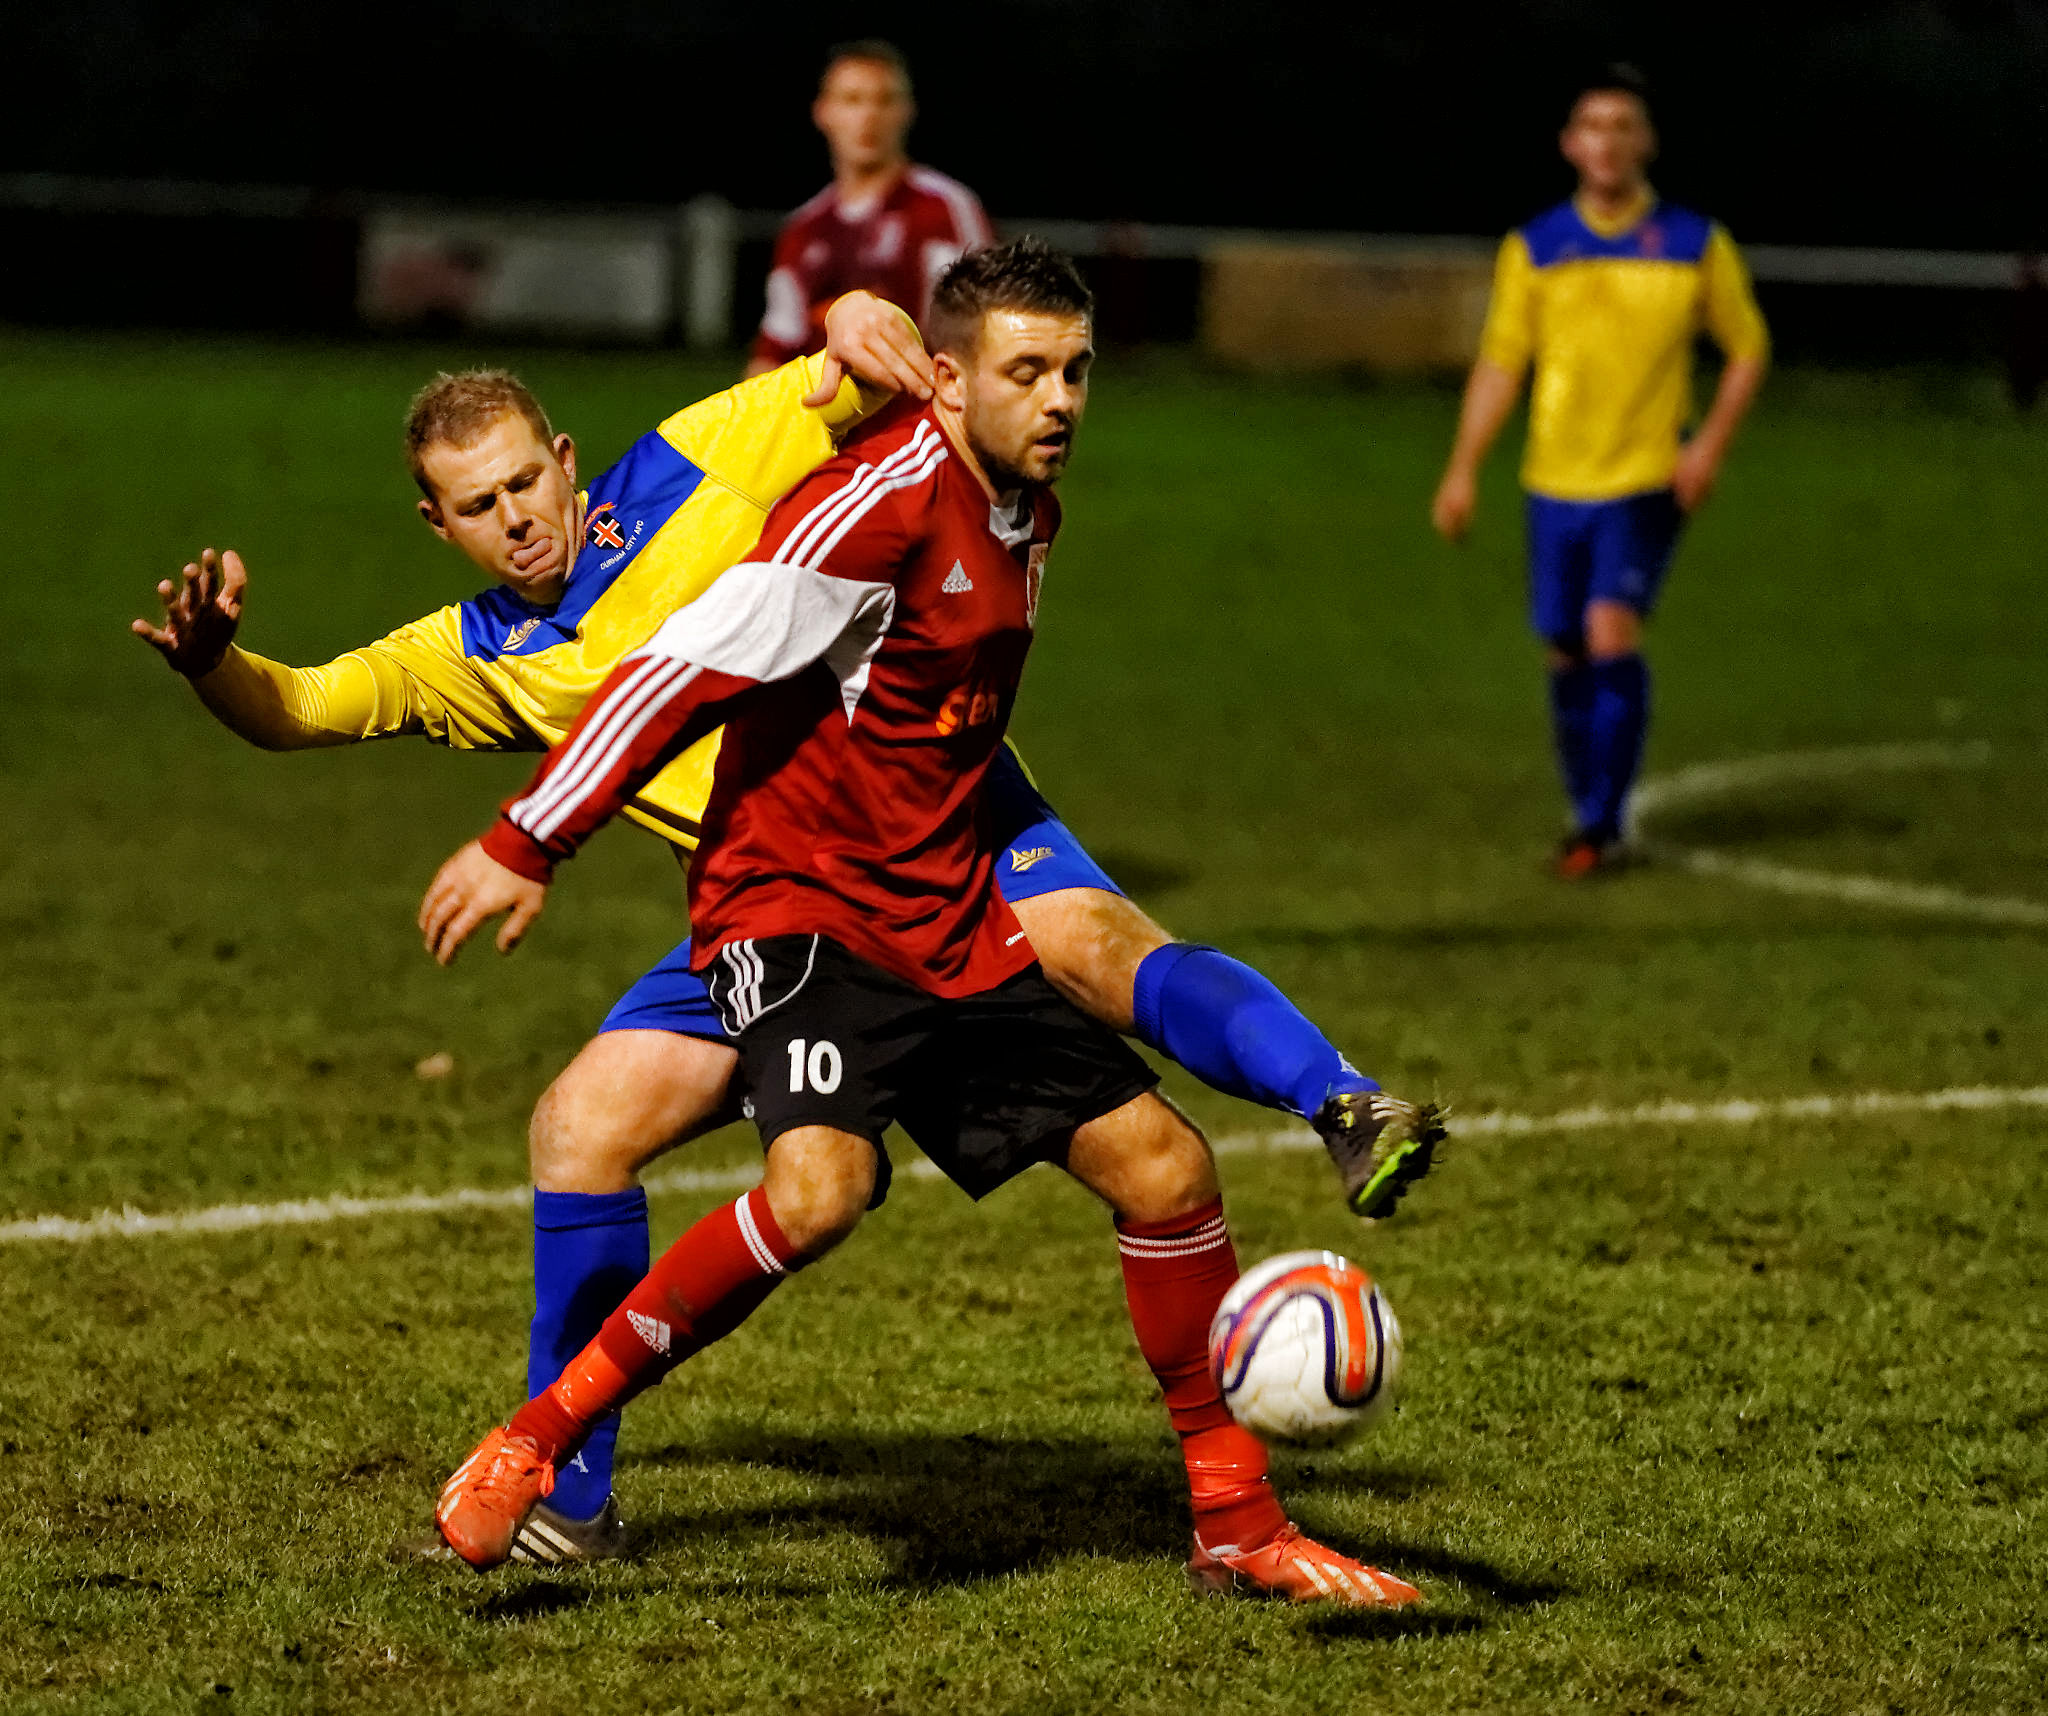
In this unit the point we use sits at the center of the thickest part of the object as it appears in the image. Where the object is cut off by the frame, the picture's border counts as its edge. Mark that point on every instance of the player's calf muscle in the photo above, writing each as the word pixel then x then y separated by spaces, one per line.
pixel 627 1097
pixel 1090 945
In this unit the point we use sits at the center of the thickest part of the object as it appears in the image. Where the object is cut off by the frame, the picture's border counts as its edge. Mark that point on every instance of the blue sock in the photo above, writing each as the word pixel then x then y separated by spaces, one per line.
pixel 1234 1031
pixel 1621 716
pixel 589 1251
pixel 1571 726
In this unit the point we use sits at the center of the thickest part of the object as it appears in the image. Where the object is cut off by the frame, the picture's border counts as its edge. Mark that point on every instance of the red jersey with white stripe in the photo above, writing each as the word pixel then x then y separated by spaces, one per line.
pixel 863 661
pixel 894 245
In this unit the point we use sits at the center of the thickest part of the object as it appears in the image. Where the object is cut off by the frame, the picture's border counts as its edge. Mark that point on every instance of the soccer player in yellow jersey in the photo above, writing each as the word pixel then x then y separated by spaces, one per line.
pixel 581 577
pixel 1605 295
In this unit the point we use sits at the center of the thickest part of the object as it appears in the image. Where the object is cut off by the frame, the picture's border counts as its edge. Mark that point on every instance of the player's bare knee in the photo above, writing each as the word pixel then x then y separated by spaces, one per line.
pixel 579 1140
pixel 818 1183
pixel 572 1144
pixel 1146 1160
pixel 1612 629
pixel 626 1098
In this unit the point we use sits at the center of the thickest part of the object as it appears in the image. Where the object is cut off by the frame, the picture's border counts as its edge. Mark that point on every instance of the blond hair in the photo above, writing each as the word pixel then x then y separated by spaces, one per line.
pixel 456 410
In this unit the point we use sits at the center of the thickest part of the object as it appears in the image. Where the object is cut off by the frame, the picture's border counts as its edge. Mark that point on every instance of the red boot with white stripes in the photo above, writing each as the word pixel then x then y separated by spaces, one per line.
pixel 1299 1569
pixel 1176 1273
pixel 699 1290
pixel 488 1498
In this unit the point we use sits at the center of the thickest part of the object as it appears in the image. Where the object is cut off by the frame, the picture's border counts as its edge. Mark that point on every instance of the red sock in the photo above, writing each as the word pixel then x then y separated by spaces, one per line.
pixel 1175 1275
pixel 699 1290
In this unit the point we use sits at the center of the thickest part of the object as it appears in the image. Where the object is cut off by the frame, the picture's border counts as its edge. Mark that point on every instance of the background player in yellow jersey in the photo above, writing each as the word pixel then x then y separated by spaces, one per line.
pixel 579 579
pixel 1605 295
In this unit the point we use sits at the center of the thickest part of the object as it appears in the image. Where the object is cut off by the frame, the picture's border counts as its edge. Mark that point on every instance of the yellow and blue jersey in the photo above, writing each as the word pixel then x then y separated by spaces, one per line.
pixel 1608 316
pixel 496 673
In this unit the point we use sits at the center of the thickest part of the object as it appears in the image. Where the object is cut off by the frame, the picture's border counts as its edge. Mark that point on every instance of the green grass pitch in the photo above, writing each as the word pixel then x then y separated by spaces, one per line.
pixel 1698 1416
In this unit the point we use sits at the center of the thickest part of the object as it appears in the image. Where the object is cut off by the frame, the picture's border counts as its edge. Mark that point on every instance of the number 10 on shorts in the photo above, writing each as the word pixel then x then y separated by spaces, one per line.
pixel 818 1069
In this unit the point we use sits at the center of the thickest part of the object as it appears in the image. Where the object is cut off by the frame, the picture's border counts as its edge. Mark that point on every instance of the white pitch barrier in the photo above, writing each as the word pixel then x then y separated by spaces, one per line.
pixel 315 1212
pixel 1708 781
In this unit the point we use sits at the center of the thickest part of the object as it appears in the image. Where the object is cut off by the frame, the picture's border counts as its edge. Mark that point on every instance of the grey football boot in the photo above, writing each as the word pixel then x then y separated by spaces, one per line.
pixel 1381 1146
pixel 545 1539
pixel 551 1539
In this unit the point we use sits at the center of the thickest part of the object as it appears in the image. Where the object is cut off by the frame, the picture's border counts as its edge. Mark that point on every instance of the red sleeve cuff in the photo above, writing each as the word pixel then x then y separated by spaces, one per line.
pixel 518 851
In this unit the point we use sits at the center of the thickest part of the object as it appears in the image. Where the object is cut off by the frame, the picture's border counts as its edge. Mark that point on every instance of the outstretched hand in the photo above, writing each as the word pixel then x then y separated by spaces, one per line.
pixel 875 342
pixel 201 614
pixel 467 892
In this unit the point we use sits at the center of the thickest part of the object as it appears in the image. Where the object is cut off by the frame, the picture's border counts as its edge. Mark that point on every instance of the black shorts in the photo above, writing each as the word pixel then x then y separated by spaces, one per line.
pixel 985 1085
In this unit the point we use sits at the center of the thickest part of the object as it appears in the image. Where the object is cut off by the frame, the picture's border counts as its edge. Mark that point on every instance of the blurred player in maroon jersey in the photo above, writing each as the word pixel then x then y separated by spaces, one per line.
pixel 864 661
pixel 884 225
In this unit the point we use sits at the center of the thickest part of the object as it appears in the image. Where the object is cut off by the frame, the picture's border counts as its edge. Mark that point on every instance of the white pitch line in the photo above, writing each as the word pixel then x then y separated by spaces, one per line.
pixel 1858 890
pixel 1716 780
pixel 308 1212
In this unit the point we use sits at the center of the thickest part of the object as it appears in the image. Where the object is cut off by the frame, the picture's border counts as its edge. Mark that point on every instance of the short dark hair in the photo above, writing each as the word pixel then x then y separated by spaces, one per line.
pixel 1616 76
pixel 1025 274
pixel 455 410
pixel 871 48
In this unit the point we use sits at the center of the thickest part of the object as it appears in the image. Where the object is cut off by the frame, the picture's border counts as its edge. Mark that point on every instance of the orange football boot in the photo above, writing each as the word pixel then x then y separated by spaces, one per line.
pixel 1299 1569
pixel 485 1503
pixel 1579 859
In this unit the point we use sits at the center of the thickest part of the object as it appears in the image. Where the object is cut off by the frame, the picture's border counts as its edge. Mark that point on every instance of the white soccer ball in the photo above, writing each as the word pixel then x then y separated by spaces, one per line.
pixel 1305 1348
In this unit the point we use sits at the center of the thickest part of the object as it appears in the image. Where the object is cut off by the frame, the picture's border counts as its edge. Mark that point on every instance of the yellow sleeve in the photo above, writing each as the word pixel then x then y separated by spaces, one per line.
pixel 295 708
pixel 1731 313
pixel 759 439
pixel 1508 340
pixel 416 680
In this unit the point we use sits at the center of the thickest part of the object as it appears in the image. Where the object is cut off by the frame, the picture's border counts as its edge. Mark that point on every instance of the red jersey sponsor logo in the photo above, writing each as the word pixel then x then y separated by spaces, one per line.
pixel 969 706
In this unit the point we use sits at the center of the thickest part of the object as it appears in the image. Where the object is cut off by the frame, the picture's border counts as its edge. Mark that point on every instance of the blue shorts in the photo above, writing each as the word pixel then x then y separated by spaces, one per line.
pixel 1586 551
pixel 1039 856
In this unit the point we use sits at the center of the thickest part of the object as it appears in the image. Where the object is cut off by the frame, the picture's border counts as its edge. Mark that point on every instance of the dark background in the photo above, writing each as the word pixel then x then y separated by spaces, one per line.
pixel 1896 124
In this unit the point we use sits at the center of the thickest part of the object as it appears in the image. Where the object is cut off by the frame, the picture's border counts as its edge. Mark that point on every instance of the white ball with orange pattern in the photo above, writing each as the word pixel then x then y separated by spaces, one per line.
pixel 1305 1348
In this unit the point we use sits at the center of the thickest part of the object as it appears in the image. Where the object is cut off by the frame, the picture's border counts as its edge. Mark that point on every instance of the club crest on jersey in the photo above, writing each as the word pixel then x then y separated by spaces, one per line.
pixel 1034 579
pixel 602 527
pixel 520 633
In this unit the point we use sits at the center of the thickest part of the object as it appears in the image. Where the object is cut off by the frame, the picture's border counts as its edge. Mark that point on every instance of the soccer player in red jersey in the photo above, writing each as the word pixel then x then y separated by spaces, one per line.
pixel 884 225
pixel 863 663
pixel 512 667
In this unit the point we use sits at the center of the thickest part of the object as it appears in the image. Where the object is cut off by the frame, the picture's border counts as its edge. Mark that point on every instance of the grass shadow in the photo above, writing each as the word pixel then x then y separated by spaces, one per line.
pixel 530 1602
pixel 1757 822
pixel 1418 1562
pixel 1139 875
pixel 952 1509
pixel 955 1510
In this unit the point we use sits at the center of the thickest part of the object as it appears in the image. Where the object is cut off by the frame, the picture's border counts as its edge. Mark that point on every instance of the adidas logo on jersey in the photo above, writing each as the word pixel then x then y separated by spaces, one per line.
pixel 957 580
pixel 650 1329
